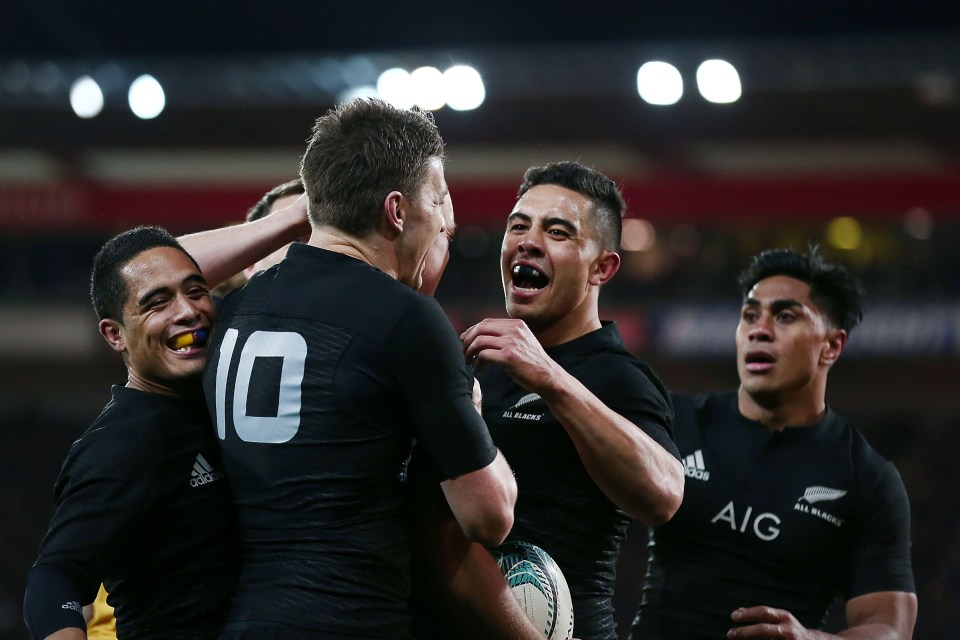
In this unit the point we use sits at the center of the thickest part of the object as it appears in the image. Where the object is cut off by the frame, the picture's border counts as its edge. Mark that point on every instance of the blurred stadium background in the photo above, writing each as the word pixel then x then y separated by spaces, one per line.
pixel 846 134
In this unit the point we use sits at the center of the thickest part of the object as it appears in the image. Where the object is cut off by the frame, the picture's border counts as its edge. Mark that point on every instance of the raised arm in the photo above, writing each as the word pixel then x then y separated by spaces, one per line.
pixel 226 251
pixel 629 466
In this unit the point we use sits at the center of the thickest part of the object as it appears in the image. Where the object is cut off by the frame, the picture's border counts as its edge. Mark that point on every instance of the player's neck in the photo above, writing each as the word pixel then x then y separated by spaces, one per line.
pixel 369 249
pixel 567 328
pixel 776 412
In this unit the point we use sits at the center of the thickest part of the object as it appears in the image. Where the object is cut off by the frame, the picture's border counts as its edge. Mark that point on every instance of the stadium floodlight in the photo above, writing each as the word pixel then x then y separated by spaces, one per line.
pixel 146 97
pixel 395 86
pixel 718 81
pixel 86 97
pixel 659 83
pixel 428 91
pixel 463 88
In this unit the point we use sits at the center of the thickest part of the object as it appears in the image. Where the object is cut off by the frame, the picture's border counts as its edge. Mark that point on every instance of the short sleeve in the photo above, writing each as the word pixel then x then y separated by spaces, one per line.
pixel 426 359
pixel 879 557
pixel 103 488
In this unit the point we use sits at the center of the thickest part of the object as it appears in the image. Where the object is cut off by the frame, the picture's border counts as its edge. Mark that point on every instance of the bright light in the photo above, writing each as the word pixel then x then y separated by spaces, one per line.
pixel 659 83
pixel 463 88
pixel 428 88
pixel 396 87
pixel 718 81
pixel 638 235
pixel 146 97
pixel 362 91
pixel 86 97
pixel 845 233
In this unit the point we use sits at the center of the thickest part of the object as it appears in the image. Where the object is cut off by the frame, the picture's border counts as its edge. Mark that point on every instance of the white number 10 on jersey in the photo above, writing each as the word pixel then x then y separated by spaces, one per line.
pixel 292 349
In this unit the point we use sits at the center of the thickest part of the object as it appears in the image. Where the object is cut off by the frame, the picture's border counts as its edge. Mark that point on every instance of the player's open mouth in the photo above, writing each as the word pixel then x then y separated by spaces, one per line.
pixel 527 277
pixel 185 342
pixel 758 361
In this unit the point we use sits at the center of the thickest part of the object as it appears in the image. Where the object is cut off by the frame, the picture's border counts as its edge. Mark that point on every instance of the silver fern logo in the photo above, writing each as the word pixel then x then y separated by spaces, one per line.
pixel 812 495
pixel 516 412
pixel 822 494
pixel 527 399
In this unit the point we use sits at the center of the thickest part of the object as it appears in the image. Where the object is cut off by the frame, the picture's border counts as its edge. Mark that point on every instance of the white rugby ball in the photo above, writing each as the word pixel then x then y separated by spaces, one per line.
pixel 539 586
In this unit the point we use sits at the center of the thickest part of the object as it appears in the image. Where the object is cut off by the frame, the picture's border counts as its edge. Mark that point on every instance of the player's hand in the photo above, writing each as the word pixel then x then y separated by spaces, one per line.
pixel 297 214
pixel 477 397
pixel 512 345
pixel 767 623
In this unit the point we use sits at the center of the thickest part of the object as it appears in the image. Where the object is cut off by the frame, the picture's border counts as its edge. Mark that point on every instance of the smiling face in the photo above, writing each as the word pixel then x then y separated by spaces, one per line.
pixel 552 263
pixel 785 344
pixel 166 319
pixel 423 217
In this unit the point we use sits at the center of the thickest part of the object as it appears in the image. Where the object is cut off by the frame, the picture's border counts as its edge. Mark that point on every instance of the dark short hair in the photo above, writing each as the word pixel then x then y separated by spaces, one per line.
pixel 608 203
pixel 361 151
pixel 834 290
pixel 108 289
pixel 262 208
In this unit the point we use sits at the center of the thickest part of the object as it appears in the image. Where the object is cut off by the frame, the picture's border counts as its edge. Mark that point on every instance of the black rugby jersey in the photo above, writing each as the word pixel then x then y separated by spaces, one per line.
pixel 559 507
pixel 143 507
pixel 323 372
pixel 786 519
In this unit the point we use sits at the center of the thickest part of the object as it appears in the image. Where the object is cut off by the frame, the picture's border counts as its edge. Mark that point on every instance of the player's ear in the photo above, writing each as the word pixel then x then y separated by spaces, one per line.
pixel 605 267
pixel 394 208
pixel 112 332
pixel 832 346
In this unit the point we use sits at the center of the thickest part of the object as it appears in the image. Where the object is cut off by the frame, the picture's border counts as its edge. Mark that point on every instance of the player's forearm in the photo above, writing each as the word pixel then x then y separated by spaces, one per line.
pixel 484 605
pixel 224 252
pixel 630 467
pixel 52 605
pixel 872 632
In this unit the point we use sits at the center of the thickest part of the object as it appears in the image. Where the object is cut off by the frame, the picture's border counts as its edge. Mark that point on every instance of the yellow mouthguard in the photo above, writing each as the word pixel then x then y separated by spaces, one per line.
pixel 184 340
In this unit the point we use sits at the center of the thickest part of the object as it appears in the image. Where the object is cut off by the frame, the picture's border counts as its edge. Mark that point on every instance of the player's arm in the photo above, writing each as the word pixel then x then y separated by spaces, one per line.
pixel 51 605
pixel 463 582
pixel 885 615
pixel 629 466
pixel 424 356
pixel 482 501
pixel 224 252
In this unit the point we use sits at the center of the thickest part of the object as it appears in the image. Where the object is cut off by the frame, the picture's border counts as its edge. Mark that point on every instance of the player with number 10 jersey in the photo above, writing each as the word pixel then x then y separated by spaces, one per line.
pixel 317 403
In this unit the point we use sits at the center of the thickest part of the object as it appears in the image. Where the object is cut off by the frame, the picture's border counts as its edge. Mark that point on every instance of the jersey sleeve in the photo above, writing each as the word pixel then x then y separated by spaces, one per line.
pixel 426 359
pixel 879 558
pixel 102 490
pixel 626 387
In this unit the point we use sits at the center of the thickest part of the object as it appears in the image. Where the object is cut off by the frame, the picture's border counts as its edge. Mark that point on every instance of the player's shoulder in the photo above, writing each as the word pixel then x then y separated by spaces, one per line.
pixel 866 460
pixel 130 429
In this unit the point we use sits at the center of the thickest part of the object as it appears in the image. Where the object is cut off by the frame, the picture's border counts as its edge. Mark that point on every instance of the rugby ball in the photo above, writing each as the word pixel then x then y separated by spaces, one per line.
pixel 539 587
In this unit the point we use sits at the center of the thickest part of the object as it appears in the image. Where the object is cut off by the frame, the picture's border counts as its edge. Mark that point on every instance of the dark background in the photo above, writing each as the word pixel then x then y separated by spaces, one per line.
pixel 848 109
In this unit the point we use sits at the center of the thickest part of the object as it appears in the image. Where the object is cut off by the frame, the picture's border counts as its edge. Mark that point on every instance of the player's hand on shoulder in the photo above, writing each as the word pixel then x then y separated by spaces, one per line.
pixel 767 623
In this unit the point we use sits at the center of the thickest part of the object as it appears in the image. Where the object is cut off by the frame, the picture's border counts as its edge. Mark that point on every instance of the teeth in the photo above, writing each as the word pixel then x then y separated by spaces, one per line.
pixel 522 270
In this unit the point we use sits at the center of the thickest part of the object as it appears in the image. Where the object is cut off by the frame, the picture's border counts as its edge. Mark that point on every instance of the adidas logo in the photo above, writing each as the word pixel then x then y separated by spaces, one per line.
pixel 694 468
pixel 72 605
pixel 203 473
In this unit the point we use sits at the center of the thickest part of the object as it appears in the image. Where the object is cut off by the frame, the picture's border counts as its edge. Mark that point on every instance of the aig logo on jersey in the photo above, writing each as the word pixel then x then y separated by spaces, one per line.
pixel 694 468
pixel 203 473
pixel 516 413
